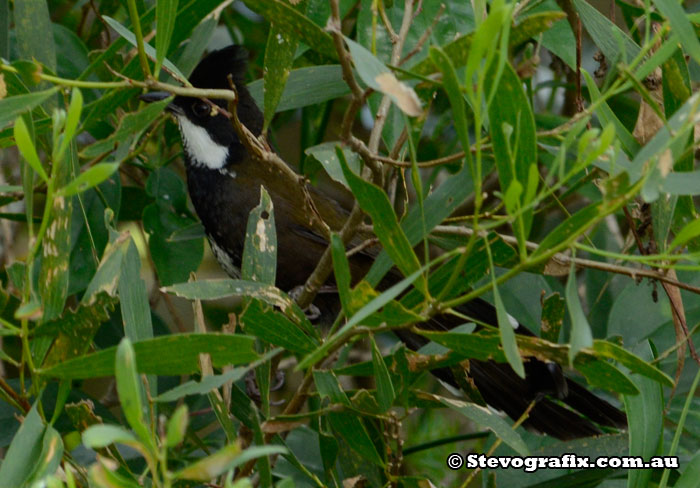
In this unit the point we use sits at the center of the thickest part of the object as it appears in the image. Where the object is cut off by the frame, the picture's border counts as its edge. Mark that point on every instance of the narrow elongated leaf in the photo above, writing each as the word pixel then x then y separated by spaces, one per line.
pixel 570 227
pixel 207 384
pixel 214 289
pixel 75 108
pixel 27 149
pixel 376 75
pixel 485 418
pixel 166 355
pixel 505 328
pixel 306 86
pixel 275 328
pixel 581 335
pixel 21 457
pixel 607 116
pixel 375 202
pixel 11 107
pixel 645 421
pixel 341 268
pixel 129 389
pixel 453 89
pixel 385 388
pixel 51 453
pixel 325 153
pixel 260 252
pixel 691 473
pixel 352 430
pixel 131 39
pixel 166 13
pixel 287 18
pixel 33 32
pixel 279 57
pixel 458 50
pixel 681 26
pixel 515 152
pixel 102 435
pixel 634 363
pixel 91 177
pixel 606 35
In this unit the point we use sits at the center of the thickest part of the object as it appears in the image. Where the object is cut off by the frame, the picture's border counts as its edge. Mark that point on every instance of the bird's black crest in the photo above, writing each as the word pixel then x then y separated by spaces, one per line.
pixel 213 70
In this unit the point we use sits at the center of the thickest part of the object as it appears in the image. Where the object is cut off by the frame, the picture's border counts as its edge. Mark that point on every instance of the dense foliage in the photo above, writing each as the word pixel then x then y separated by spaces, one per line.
pixel 543 154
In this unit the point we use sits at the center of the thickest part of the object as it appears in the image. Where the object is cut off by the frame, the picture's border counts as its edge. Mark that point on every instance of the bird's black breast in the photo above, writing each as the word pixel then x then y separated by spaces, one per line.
pixel 223 207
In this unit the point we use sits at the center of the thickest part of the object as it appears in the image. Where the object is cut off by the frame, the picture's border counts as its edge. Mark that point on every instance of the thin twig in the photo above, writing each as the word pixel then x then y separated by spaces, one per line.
pixel 424 37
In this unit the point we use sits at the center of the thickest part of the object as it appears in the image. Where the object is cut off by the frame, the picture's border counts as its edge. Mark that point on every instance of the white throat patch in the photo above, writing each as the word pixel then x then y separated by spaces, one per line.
pixel 200 146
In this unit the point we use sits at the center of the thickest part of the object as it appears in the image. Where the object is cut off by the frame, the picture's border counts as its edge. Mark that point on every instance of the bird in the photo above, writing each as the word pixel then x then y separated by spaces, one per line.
pixel 224 181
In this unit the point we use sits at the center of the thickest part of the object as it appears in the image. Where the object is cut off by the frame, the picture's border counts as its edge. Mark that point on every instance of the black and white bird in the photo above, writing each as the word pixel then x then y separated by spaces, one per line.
pixel 224 183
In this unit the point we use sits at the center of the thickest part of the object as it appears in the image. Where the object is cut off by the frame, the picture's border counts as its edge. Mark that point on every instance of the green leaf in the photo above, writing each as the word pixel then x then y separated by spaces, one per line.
pixel 439 205
pixel 328 385
pixel 260 251
pixel 606 35
pixel 603 374
pixel 196 45
pixel 458 50
pixel 130 126
pixel 224 460
pixel 22 456
pixel 177 426
pixel 210 382
pixel 310 85
pixel 102 435
pixel 645 418
pixel 90 178
pixel 581 335
pixel 375 202
pixel 215 289
pixel 453 89
pixel 681 26
pixel 290 20
pixel 634 363
pixel 75 108
pixel 516 152
pixel 352 430
pixel 279 57
pixel 505 328
pixel 325 153
pixel 367 310
pixel 131 39
pixel 129 388
pixel 385 389
pixel 483 417
pixel 341 269
pixel 11 107
pixel 553 311
pixel 27 149
pixel 607 116
pixel 166 13
pixel 133 297
pixel 571 227
pixel 34 35
pixel 51 454
pixel 691 473
pixel 166 355
pixel 275 328
pixel 376 75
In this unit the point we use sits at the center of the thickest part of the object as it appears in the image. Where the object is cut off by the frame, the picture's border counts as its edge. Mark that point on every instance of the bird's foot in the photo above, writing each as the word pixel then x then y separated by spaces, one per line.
pixel 312 312
pixel 253 390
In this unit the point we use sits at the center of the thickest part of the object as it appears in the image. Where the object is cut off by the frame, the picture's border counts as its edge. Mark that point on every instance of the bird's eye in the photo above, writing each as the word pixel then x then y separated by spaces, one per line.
pixel 200 108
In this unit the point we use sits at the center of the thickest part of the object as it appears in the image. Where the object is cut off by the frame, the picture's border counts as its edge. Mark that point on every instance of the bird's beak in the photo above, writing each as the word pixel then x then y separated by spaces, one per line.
pixel 157 96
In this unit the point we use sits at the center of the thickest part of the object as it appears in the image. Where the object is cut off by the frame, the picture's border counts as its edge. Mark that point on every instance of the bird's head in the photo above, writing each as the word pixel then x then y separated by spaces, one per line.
pixel 207 134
